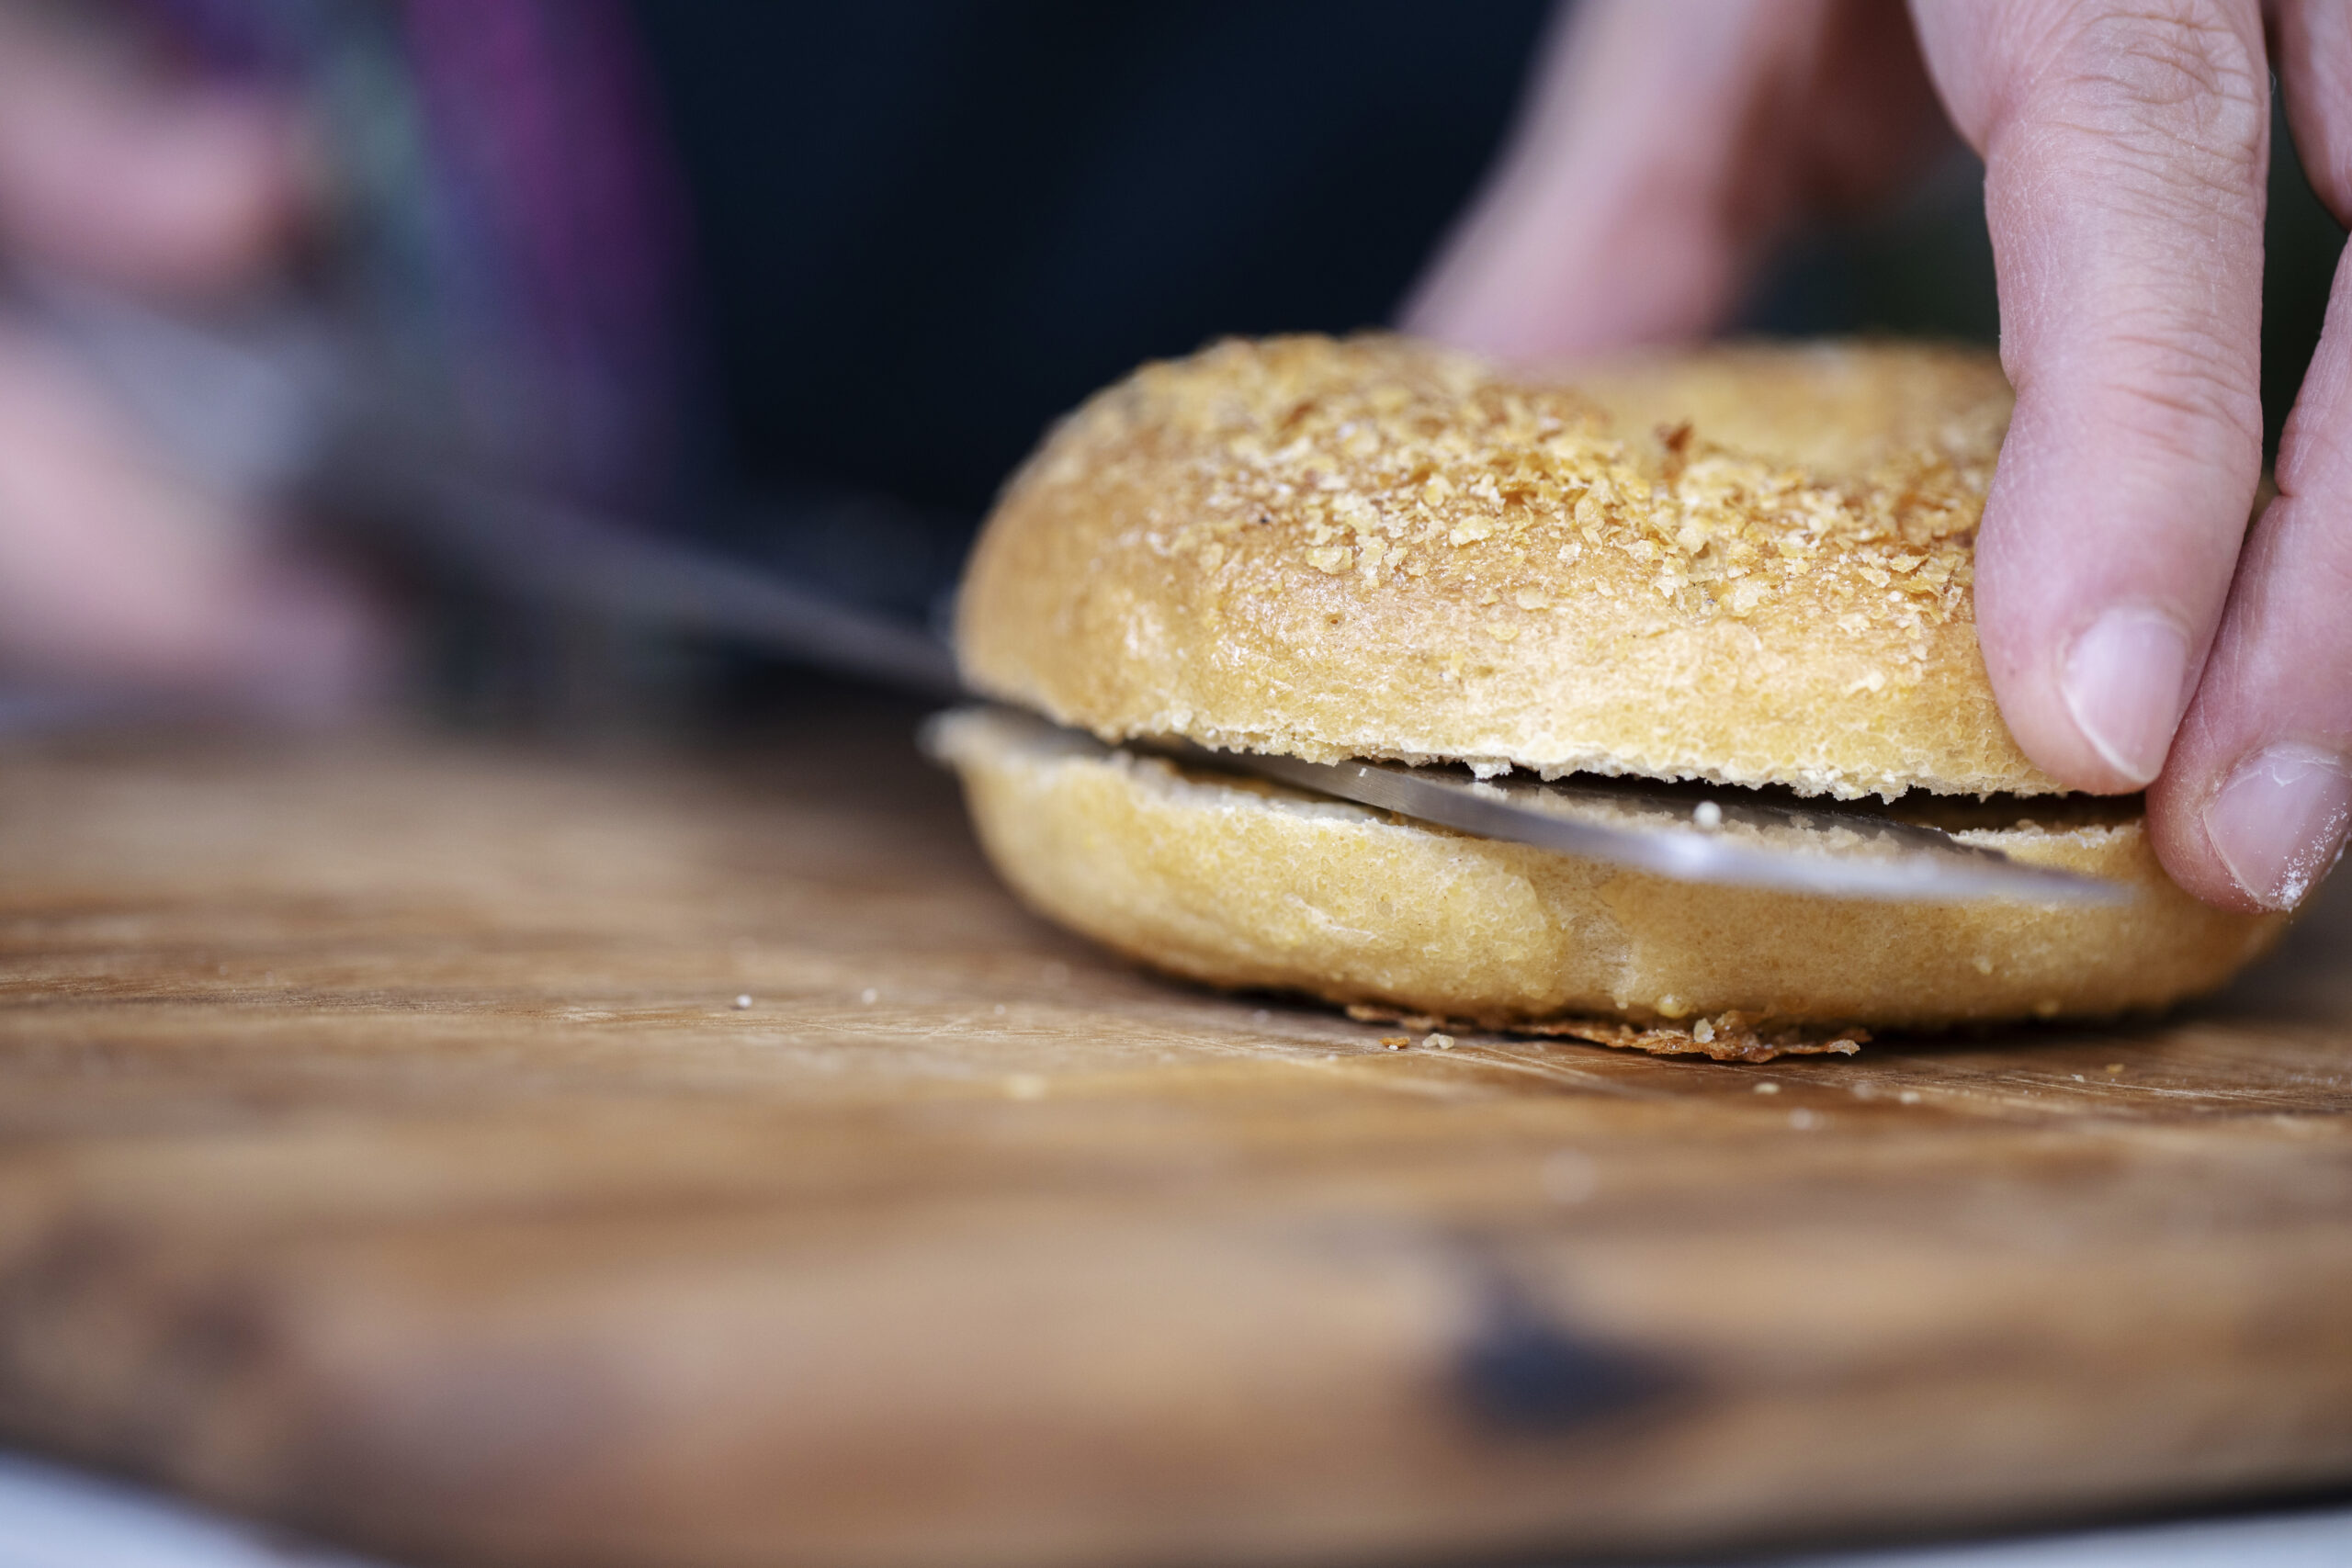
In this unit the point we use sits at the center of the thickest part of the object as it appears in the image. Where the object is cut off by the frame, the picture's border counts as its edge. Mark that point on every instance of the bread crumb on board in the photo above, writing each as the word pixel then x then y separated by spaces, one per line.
pixel 1725 1037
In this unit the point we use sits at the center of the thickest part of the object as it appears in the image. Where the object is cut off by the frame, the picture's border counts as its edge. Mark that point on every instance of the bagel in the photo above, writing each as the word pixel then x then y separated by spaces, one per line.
pixel 1748 566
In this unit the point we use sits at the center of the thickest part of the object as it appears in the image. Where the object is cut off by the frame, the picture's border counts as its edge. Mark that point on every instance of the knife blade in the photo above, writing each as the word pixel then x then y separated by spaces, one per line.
pixel 1836 851
pixel 1686 833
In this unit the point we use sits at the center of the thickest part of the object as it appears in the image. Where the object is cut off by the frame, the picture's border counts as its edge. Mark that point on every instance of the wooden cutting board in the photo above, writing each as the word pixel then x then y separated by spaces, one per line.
pixel 383 1149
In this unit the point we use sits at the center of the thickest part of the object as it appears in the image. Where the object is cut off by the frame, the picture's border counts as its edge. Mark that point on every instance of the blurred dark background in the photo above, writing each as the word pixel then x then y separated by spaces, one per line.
pixel 928 229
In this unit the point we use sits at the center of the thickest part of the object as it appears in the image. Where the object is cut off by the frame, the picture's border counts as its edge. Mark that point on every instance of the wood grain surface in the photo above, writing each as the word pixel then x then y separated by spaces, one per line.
pixel 383 1150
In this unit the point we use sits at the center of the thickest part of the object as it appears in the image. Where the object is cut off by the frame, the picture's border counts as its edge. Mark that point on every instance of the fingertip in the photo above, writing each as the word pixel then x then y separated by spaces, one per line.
pixel 2105 558
pixel 2263 835
pixel 2093 687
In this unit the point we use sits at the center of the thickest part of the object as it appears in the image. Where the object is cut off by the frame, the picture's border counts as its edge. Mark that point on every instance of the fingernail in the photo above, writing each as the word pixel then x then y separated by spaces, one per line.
pixel 2278 821
pixel 2123 685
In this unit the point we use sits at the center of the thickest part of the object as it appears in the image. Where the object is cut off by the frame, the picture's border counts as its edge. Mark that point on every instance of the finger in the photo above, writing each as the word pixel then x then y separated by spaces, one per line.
pixel 1664 146
pixel 170 188
pixel 2253 805
pixel 2125 148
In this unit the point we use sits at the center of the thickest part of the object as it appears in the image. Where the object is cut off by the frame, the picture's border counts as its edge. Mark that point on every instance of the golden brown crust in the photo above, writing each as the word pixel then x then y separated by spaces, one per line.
pixel 1748 565
pixel 1242 883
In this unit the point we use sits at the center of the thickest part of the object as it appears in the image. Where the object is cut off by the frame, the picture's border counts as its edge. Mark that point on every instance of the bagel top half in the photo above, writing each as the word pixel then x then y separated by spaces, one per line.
pixel 1750 565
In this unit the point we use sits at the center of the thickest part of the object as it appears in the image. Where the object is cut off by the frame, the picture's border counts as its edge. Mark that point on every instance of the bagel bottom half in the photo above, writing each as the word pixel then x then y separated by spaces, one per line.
pixel 1241 883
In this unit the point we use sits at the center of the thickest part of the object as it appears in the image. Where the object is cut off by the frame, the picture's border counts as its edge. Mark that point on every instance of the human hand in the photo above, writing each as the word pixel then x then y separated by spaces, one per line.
pixel 120 574
pixel 2132 640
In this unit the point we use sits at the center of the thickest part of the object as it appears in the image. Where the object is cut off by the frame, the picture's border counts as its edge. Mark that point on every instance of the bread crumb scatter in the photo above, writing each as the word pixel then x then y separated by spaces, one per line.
pixel 1439 1042
pixel 1768 1088
pixel 1909 1097
pixel 1731 1036
pixel 2114 1068
pixel 1395 1042
pixel 1372 1013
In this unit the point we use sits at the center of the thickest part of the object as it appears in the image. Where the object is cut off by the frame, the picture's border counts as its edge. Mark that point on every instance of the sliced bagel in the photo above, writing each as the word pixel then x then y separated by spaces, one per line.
pixel 1747 566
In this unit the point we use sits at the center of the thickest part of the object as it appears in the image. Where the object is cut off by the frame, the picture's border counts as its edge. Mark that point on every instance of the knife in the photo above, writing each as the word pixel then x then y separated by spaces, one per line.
pixel 306 426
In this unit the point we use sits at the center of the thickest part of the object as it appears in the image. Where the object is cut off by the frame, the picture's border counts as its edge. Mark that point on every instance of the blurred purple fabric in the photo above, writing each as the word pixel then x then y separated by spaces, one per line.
pixel 540 120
